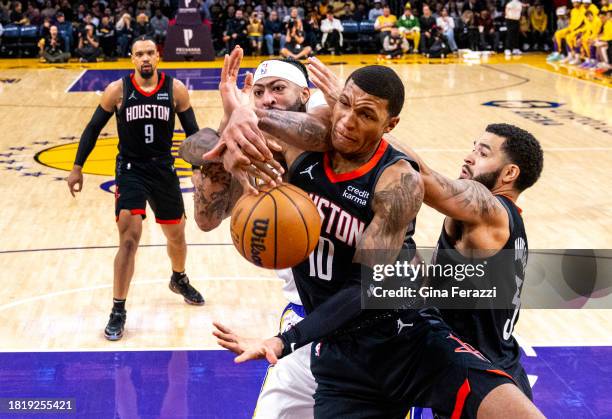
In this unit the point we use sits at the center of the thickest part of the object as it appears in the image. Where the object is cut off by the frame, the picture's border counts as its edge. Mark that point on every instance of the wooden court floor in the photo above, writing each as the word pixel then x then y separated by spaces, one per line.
pixel 56 252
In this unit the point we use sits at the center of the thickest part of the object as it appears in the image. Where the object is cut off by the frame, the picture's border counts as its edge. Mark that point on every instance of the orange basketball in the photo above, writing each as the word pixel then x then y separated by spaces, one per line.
pixel 276 229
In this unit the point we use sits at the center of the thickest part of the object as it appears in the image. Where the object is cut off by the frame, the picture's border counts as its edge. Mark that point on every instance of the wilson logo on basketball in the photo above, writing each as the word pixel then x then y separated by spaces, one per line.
pixel 258 236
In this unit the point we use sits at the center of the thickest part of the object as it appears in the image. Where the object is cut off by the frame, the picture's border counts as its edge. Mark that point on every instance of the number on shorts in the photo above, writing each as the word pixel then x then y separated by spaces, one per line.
pixel 148 133
pixel 323 252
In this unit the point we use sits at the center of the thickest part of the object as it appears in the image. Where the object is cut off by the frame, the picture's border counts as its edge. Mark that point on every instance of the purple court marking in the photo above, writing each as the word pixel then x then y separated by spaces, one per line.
pixel 572 382
pixel 193 78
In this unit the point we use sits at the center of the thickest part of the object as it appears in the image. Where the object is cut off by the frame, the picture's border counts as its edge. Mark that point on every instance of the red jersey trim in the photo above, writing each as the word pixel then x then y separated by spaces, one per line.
pixel 160 83
pixel 462 394
pixel 517 207
pixel 360 171
pixel 176 221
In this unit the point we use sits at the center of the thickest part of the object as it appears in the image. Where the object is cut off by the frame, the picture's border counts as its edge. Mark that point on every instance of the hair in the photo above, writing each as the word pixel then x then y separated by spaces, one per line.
pixel 522 149
pixel 297 64
pixel 382 82
pixel 143 38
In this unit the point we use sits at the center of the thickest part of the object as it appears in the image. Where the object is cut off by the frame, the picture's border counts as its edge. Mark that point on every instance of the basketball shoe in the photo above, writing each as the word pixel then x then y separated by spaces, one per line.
pixel 115 325
pixel 179 284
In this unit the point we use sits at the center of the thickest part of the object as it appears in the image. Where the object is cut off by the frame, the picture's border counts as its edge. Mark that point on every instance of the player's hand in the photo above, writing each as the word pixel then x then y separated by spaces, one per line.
pixel 325 80
pixel 248 349
pixel 231 96
pixel 75 180
pixel 244 170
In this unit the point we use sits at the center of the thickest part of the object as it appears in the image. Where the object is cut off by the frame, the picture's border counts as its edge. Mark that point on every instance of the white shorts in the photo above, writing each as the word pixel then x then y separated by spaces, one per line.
pixel 289 385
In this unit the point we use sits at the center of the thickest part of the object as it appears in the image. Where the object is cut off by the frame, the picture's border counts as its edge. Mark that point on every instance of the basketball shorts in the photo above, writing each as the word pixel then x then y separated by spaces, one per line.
pixel 289 385
pixel 411 358
pixel 154 181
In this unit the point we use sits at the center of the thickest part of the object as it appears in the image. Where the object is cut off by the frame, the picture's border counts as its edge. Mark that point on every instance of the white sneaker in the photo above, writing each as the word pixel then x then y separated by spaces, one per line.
pixel 574 61
pixel 508 53
pixel 516 52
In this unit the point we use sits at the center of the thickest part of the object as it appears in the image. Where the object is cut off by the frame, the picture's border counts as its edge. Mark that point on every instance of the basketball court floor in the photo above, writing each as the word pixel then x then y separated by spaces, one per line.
pixel 56 251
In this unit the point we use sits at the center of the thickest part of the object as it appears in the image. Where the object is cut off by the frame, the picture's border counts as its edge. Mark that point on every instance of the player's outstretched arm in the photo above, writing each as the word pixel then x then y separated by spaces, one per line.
pixel 111 98
pixel 461 199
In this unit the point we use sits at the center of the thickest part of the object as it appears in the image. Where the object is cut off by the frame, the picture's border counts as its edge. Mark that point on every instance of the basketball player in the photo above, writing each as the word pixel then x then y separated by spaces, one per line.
pixel 145 103
pixel 278 84
pixel 372 363
pixel 481 217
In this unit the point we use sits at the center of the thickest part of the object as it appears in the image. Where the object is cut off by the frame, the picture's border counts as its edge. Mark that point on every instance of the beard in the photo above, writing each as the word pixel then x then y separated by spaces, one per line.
pixel 488 179
pixel 298 106
pixel 146 74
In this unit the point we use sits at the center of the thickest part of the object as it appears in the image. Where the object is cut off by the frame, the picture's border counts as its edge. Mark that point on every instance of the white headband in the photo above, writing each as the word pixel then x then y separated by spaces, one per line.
pixel 281 69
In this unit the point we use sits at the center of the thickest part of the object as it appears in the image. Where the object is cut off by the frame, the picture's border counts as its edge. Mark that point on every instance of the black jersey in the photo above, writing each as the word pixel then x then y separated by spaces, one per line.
pixel 145 120
pixel 345 204
pixel 490 330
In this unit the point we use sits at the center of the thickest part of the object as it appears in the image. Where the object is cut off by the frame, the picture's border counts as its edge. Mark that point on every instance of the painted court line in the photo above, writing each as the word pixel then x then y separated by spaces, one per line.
pixel 141 282
pixel 76 80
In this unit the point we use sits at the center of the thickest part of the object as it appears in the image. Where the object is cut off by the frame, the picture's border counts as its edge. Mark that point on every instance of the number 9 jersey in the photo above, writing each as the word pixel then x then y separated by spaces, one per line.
pixel 145 120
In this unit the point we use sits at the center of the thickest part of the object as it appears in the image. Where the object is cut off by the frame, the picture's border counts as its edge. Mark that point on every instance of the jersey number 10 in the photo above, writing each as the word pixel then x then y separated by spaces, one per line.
pixel 321 259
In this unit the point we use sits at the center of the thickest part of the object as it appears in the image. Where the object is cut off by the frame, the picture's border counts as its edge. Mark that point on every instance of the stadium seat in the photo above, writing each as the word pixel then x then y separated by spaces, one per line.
pixel 367 37
pixel 28 41
pixel 351 34
pixel 10 40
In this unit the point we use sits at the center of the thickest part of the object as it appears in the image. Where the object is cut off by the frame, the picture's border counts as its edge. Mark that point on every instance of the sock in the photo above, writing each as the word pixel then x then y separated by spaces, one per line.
pixel 178 275
pixel 118 305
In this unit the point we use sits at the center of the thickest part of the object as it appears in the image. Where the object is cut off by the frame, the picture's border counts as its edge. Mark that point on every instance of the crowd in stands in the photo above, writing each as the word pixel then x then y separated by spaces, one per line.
pixel 103 29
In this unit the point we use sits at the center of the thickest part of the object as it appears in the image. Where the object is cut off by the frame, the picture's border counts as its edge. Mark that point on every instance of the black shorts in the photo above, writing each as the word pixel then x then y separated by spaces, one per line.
pixel 382 370
pixel 153 180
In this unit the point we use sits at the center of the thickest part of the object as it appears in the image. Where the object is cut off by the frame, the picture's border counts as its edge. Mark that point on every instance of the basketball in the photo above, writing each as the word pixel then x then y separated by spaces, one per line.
pixel 276 229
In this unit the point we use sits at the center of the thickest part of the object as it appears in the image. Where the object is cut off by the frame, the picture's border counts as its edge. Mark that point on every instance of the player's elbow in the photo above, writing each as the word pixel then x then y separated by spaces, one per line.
pixel 206 222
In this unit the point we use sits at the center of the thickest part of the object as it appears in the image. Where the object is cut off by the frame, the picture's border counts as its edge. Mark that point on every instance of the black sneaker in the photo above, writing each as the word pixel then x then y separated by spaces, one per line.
pixel 181 285
pixel 115 326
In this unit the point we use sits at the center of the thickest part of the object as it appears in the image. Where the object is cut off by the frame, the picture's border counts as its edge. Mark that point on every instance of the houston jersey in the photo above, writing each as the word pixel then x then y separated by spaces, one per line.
pixel 145 120
pixel 344 202
pixel 490 330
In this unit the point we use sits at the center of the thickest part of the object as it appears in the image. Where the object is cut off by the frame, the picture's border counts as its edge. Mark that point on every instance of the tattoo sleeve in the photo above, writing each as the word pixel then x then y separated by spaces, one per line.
pixel 298 129
pixel 196 145
pixel 395 207
pixel 212 197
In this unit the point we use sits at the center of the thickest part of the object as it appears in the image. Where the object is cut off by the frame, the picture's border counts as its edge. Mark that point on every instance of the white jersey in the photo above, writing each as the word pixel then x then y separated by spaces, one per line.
pixel 289 289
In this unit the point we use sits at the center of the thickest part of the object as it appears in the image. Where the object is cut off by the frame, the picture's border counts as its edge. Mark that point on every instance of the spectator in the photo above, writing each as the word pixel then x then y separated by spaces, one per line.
pixel 65 30
pixel 125 33
pixel 159 24
pixel 377 11
pixel 513 11
pixel 331 28
pixel 474 6
pixel 360 13
pixel 5 11
pixel 453 10
pixel 486 30
pixel 446 25
pixel 281 10
pixel 395 45
pixel 255 31
pixel 384 23
pixel 311 30
pixel 297 4
pixel 342 8
pixel 293 19
pixel 428 29
pixel 143 27
pixel 602 44
pixel 524 30
pixel 17 17
pixel 323 7
pixel 409 26
pixel 33 15
pixel 81 13
pixel 88 48
pixel 273 30
pixel 219 22
pixel 108 40
pixel 539 24
pixel 49 11
pixel 294 45
pixel 66 9
pixel 235 31
pixel 54 48
pixel 468 32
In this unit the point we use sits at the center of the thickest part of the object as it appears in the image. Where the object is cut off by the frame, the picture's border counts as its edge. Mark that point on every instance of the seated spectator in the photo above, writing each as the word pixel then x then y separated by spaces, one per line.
pixel 45 27
pixel 125 33
pixel 159 24
pixel 311 30
pixel 486 30
pixel 539 24
pixel 446 25
pixel 66 9
pixel 376 11
pixel 108 39
pixel 341 8
pixel 468 32
pixel 255 30
pixel 331 28
pixel 409 26
pixel 143 27
pixel 428 29
pixel 524 30
pixel 273 30
pixel 360 13
pixel 603 43
pixel 294 44
pixel 323 7
pixel 88 48
pixel 65 30
pixel 49 10
pixel 235 31
pixel 17 17
pixel 281 10
pixel 54 49
pixel 395 45
pixel 384 23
